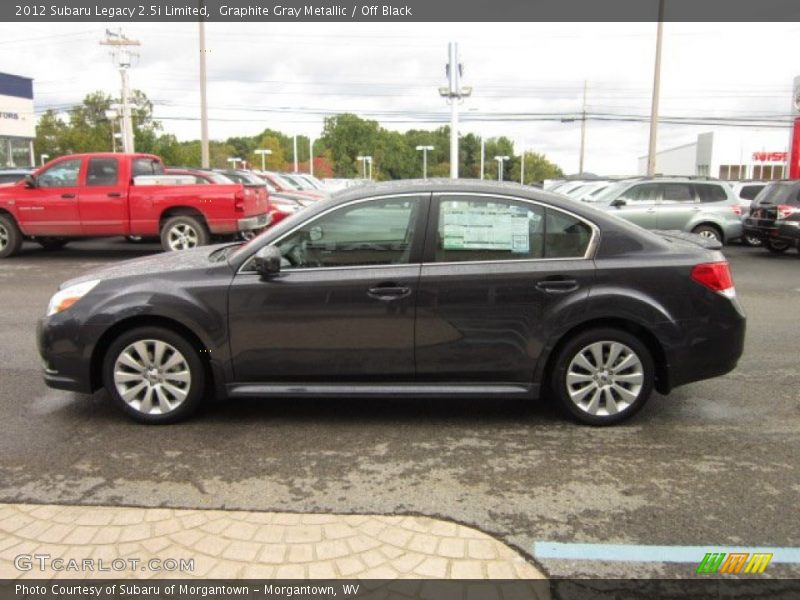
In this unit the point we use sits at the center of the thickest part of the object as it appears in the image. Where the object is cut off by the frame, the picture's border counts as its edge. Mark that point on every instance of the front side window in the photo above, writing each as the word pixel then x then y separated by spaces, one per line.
pixel 377 232
pixel 646 192
pixel 102 171
pixel 62 174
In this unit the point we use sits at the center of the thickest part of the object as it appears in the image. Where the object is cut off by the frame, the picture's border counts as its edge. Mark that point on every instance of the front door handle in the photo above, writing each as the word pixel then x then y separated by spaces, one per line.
pixel 560 285
pixel 68 196
pixel 114 195
pixel 388 291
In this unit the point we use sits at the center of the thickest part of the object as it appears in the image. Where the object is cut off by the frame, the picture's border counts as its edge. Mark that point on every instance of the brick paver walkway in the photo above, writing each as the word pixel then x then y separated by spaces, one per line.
pixel 242 544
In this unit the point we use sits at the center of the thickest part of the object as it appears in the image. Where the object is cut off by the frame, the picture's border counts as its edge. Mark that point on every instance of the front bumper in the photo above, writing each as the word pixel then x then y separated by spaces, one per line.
pixel 62 365
pixel 254 222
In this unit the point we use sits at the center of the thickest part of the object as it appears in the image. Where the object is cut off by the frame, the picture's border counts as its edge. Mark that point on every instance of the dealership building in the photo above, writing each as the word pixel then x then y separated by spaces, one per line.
pixel 17 121
pixel 759 154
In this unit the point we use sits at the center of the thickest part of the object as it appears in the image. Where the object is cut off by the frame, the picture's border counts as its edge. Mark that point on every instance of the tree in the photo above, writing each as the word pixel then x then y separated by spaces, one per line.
pixel 348 136
pixel 537 168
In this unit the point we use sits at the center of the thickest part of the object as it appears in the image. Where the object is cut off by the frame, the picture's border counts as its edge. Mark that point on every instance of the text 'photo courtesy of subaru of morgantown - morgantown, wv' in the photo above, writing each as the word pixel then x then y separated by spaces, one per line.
pixel 423 288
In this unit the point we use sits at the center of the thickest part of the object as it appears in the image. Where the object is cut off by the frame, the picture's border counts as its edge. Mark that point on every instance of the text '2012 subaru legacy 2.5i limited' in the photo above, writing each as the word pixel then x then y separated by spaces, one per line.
pixel 426 288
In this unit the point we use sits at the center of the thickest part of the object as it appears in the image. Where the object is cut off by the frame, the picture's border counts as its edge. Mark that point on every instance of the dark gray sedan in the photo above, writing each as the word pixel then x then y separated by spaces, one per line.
pixel 421 288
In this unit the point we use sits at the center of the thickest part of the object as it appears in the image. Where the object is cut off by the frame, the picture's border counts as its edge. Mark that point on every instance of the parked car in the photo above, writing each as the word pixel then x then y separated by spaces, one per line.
pixel 415 288
pixel 90 195
pixel 286 186
pixel 746 191
pixel 704 207
pixel 282 206
pixel 8 176
pixel 200 175
pixel 775 216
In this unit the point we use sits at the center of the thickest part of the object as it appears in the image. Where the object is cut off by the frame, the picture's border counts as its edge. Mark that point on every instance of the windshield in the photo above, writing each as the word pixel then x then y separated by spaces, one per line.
pixel 779 193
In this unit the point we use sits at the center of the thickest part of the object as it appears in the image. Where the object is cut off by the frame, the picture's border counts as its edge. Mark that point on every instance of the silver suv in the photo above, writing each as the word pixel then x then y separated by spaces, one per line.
pixel 705 207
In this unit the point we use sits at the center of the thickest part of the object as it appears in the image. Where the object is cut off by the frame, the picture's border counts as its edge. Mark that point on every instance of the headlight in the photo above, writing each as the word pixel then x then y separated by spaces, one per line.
pixel 65 298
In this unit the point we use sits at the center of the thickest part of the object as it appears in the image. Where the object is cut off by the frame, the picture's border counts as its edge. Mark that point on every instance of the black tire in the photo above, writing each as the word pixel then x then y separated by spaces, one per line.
pixel 636 394
pixel 708 231
pixel 183 233
pixel 160 411
pixel 776 247
pixel 52 243
pixel 10 236
pixel 752 241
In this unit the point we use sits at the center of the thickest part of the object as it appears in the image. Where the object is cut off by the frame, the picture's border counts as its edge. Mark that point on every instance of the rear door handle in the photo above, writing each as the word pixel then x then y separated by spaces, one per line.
pixel 388 291
pixel 557 286
pixel 68 196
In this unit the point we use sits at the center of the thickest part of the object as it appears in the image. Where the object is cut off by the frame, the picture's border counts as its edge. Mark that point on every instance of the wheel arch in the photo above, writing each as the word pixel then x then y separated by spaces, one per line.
pixel 180 211
pixel 648 338
pixel 113 332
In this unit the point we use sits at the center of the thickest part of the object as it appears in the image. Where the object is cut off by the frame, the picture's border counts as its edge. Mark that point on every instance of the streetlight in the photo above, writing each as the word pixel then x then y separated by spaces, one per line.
pixel 500 160
pixel 294 152
pixel 364 160
pixel 311 156
pixel 44 158
pixel 424 159
pixel 233 161
pixel 522 168
pixel 112 115
pixel 263 152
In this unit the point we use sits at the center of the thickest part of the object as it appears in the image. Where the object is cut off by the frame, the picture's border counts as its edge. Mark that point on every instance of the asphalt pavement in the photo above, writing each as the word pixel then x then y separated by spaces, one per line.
pixel 713 463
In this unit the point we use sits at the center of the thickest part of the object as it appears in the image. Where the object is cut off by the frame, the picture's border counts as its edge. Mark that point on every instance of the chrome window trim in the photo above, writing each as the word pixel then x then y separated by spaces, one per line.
pixel 591 247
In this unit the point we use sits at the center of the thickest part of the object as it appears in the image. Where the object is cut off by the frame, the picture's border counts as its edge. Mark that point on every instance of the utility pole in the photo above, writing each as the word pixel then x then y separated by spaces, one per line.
pixel 205 160
pixel 651 151
pixel 454 93
pixel 583 129
pixel 294 152
pixel 123 58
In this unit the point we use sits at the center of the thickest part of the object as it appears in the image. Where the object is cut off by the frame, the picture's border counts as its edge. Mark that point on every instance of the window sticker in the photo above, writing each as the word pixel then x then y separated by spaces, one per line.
pixel 486 227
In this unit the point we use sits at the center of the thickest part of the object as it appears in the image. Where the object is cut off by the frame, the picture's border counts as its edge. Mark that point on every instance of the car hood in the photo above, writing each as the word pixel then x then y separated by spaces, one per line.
pixel 166 262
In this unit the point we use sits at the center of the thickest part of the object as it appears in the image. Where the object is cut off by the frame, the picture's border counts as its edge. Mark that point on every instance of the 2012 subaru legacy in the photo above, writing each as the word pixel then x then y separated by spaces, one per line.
pixel 421 288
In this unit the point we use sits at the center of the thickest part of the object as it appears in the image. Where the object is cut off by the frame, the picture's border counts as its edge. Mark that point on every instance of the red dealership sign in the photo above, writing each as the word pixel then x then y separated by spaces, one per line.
pixel 770 156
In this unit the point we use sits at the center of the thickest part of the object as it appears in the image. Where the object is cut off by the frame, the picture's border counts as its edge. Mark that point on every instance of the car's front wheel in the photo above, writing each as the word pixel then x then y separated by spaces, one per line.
pixel 603 376
pixel 776 247
pixel 154 375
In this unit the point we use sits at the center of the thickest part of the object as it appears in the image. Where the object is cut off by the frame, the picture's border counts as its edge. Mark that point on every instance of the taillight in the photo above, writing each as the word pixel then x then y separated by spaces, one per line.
pixel 238 201
pixel 715 276
pixel 737 210
pixel 785 211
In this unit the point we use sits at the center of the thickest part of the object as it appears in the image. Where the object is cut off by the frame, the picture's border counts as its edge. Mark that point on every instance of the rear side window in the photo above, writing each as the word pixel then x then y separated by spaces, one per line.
pixel 678 192
pixel 710 193
pixel 102 171
pixel 147 166
pixel 565 236
pixel 749 192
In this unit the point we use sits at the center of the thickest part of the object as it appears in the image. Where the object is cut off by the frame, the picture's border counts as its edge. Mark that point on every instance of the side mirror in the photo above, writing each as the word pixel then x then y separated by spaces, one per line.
pixel 267 261
pixel 30 182
pixel 618 202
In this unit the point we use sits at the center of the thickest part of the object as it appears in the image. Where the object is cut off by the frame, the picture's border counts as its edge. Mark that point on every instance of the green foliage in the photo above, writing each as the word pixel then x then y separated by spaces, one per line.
pixel 344 137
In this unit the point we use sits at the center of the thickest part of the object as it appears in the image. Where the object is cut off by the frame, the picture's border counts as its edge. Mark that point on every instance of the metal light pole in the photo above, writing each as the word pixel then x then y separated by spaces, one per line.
pixel 500 160
pixel 311 156
pixel 483 153
pixel 263 152
pixel 651 150
pixel 583 129
pixel 294 152
pixel 44 158
pixel 454 93
pixel 363 160
pixel 233 161
pixel 369 160
pixel 424 159
pixel 522 169
pixel 205 159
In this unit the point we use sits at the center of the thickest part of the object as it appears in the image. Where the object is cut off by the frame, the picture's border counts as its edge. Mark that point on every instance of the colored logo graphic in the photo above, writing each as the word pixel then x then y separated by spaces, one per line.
pixel 734 562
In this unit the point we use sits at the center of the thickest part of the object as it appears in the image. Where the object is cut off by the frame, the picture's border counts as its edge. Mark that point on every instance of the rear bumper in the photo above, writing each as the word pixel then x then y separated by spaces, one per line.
pixel 784 230
pixel 254 222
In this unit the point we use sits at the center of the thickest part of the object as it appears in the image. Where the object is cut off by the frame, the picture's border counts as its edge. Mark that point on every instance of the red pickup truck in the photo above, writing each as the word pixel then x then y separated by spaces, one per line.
pixel 104 194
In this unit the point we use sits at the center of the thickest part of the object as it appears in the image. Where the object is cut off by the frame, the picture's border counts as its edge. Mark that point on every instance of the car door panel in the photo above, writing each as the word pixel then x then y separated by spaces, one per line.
pixel 104 201
pixel 51 208
pixel 638 204
pixel 678 205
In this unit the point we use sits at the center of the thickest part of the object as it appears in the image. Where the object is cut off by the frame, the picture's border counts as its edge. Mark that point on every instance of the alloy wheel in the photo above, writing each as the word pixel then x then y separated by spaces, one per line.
pixel 4 237
pixel 708 234
pixel 604 378
pixel 182 237
pixel 152 377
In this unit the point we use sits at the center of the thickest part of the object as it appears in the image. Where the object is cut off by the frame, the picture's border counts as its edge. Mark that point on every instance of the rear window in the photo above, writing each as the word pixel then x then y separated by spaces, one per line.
pixel 749 192
pixel 779 193
pixel 710 193
pixel 147 166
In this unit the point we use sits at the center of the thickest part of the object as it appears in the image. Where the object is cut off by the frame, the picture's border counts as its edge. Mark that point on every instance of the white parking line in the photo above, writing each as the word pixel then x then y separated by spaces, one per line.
pixel 646 553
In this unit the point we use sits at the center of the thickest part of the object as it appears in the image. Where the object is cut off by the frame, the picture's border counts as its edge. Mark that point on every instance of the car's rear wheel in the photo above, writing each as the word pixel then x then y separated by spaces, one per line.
pixel 776 247
pixel 709 232
pixel 603 376
pixel 184 233
pixel 10 237
pixel 52 243
pixel 154 375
